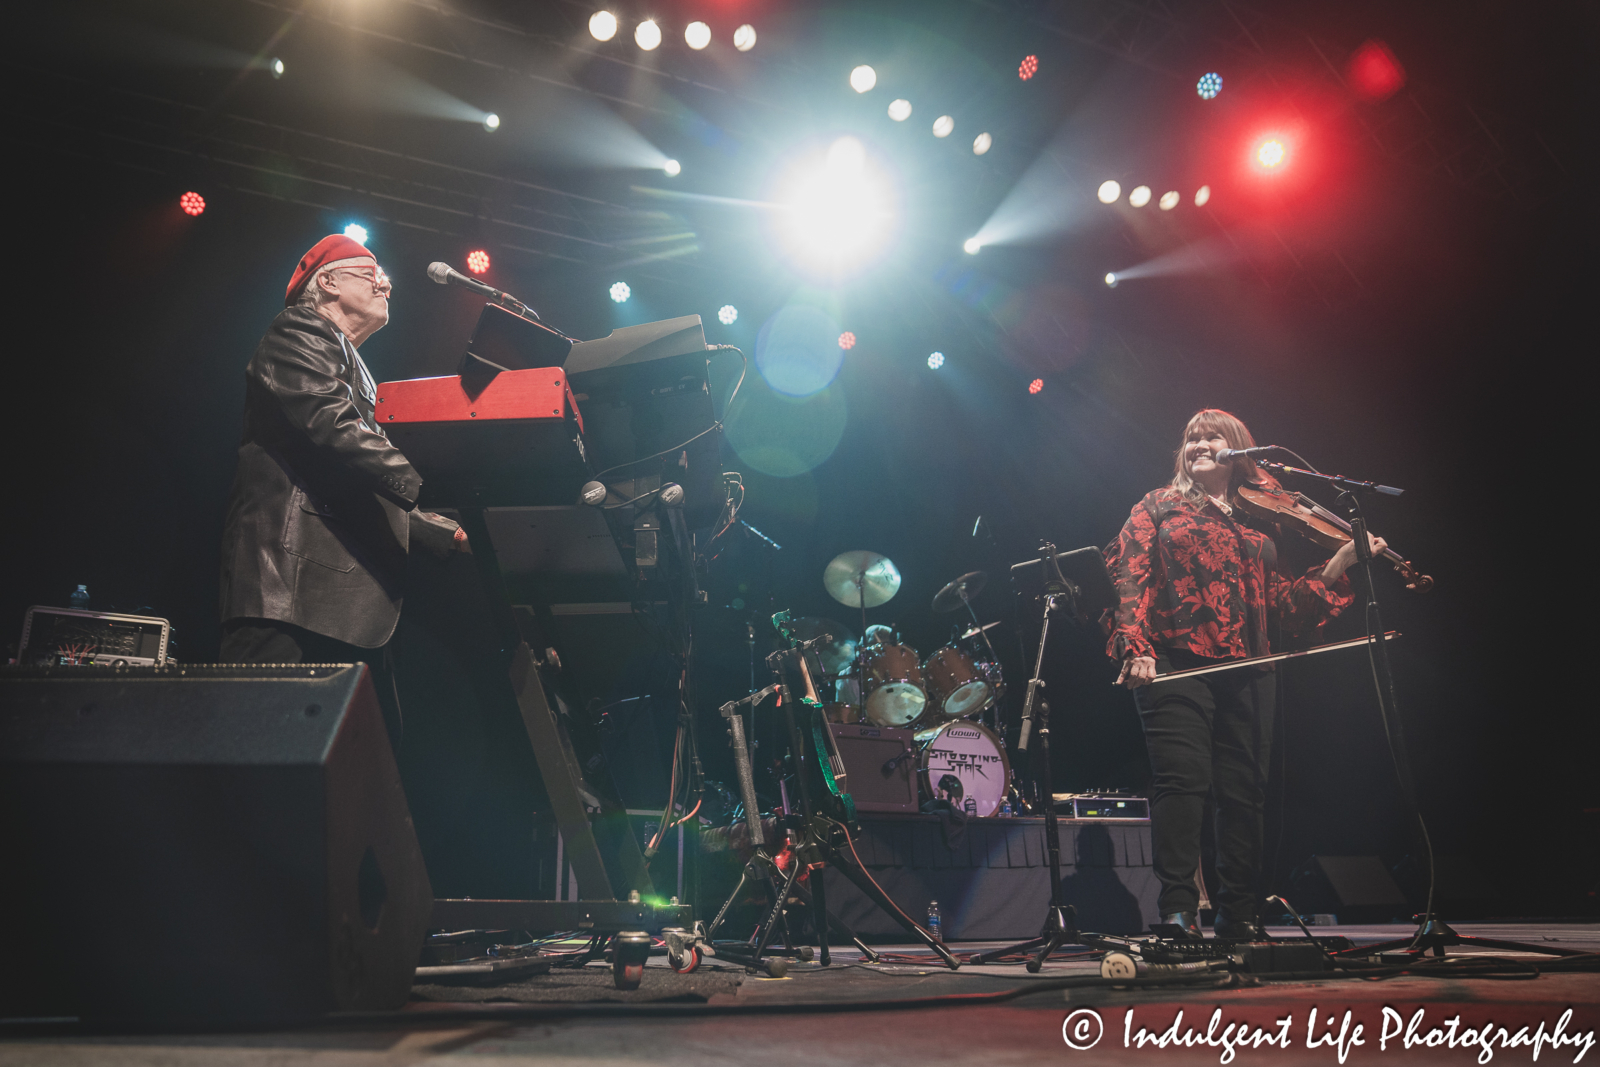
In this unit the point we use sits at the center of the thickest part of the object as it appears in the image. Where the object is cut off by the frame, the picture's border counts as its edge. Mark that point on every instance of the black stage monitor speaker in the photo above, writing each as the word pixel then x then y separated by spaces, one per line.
pixel 225 843
pixel 1356 888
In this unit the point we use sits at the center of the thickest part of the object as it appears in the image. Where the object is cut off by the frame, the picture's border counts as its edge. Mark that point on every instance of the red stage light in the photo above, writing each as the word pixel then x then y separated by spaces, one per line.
pixel 1029 67
pixel 478 261
pixel 1270 153
pixel 192 203
pixel 1035 385
pixel 1374 73
pixel 847 340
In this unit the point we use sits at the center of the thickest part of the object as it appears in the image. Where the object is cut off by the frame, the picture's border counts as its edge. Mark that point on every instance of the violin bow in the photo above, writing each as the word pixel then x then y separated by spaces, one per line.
pixel 1257 660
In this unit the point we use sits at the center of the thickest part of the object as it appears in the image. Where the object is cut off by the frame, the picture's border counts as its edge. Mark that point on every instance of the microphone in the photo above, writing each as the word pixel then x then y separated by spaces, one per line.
pixel 1232 453
pixel 445 274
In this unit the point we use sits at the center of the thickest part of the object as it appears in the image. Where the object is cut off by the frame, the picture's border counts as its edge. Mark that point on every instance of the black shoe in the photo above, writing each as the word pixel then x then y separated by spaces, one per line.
pixel 1180 926
pixel 1240 930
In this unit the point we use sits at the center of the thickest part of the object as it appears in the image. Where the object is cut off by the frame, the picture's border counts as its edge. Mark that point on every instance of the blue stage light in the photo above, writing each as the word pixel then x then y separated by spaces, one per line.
pixel 727 314
pixel 936 361
pixel 1209 86
pixel 620 292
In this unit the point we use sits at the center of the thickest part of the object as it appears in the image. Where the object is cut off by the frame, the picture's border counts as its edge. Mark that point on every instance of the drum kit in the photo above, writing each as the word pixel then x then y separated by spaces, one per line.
pixel 943 698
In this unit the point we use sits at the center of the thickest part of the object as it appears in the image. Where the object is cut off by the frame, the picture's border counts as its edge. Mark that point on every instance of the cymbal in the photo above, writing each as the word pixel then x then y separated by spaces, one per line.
pixel 837 652
pixel 965 588
pixel 861 579
pixel 976 630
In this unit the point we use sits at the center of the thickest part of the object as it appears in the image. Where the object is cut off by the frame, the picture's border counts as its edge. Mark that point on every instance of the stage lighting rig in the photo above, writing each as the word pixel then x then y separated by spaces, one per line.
pixel 971 245
pixel 1202 195
pixel 981 144
pixel 1110 191
pixel 356 232
pixel 647 35
pixel 620 292
pixel 727 314
pixel 899 110
pixel 602 25
pixel 672 168
pixel 1169 200
pixel 697 35
pixel 1028 67
pixel 192 203
pixel 491 122
pixel 1111 280
pixel 744 38
pixel 1270 153
pixel 1034 386
pixel 1209 86
pixel 478 261
pixel 847 340
pixel 1140 196
pixel 863 78
pixel 943 126
pixel 935 361
pixel 277 68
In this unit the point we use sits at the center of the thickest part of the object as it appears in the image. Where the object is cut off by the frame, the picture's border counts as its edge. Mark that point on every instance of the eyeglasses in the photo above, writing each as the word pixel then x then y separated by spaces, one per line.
pixel 380 281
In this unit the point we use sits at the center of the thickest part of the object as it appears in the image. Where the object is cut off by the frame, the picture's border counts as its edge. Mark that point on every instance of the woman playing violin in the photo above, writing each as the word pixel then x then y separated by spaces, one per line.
pixel 1196 585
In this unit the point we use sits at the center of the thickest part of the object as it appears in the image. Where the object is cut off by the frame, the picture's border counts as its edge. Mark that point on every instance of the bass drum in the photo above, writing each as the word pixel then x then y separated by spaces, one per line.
pixel 895 696
pixel 956 685
pixel 964 763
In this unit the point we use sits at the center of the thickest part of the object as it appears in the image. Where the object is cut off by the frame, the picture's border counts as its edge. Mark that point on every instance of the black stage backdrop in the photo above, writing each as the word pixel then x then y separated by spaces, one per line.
pixel 1454 369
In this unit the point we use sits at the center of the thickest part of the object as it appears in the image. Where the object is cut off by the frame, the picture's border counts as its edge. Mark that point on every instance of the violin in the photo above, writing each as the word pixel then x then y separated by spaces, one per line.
pixel 1311 520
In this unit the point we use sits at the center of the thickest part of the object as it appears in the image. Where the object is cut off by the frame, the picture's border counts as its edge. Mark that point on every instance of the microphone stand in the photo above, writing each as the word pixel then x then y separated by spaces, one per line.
pixel 1061 919
pixel 1432 933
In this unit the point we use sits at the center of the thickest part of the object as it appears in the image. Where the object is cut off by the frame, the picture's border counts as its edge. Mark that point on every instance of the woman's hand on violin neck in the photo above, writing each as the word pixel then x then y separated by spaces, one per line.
pixel 1346 556
pixel 1137 671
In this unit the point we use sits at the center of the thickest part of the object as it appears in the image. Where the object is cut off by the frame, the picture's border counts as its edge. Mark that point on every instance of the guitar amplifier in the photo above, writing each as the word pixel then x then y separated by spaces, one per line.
pixel 880 766
pixel 67 636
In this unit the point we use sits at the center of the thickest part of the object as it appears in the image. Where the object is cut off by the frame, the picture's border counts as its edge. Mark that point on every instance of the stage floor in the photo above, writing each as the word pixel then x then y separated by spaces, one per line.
pixel 913 1012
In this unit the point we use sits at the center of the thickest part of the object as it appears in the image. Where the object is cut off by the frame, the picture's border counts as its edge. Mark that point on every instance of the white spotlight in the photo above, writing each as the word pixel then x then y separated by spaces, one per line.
pixel 356 232
pixel 277 68
pixel 1109 192
pixel 620 292
pixel 846 157
pixel 647 35
pixel 491 122
pixel 602 25
pixel 899 110
pixel 863 78
pixel 1140 196
pixel 971 245
pixel 1111 281
pixel 697 35
pixel 727 314
pixel 1169 200
pixel 943 125
pixel 935 360
pixel 1201 195
pixel 672 167
pixel 744 38
pixel 981 144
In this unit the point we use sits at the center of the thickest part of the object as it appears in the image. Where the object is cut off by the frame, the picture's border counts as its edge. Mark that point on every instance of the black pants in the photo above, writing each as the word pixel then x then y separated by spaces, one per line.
pixel 1208 735
pixel 270 641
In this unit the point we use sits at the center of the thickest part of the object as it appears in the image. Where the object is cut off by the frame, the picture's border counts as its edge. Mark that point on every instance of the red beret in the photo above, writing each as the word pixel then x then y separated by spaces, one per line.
pixel 333 250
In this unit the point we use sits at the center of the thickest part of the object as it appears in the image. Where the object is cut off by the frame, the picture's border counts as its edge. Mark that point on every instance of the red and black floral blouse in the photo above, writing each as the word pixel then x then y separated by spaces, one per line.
pixel 1196 579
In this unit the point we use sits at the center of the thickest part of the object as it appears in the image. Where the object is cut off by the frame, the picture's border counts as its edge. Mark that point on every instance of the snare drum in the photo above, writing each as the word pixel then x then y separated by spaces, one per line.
pixel 895 696
pixel 957 686
pixel 964 763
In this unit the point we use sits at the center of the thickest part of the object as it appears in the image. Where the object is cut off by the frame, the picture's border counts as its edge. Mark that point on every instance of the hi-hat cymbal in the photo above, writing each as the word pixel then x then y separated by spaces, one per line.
pixel 965 588
pixel 837 652
pixel 861 579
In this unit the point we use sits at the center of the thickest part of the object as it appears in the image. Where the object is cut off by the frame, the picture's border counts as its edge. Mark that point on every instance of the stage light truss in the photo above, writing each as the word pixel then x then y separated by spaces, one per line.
pixel 1437 131
pixel 165 136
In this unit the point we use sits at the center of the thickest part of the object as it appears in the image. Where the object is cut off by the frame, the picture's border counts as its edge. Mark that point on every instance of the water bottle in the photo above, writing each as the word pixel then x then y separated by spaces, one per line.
pixel 80 598
pixel 970 807
pixel 1005 808
pixel 935 922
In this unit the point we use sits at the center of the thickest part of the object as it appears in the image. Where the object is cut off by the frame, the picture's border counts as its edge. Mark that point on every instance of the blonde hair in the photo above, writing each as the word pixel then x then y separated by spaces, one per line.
pixel 1237 434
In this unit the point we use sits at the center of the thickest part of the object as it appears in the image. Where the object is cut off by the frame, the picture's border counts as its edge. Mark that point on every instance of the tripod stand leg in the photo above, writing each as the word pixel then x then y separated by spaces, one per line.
pixel 881 899
pixel 837 925
pixel 820 918
pixel 775 916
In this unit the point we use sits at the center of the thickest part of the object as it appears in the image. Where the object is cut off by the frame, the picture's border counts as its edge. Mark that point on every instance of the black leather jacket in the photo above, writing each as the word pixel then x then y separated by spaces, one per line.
pixel 323 507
